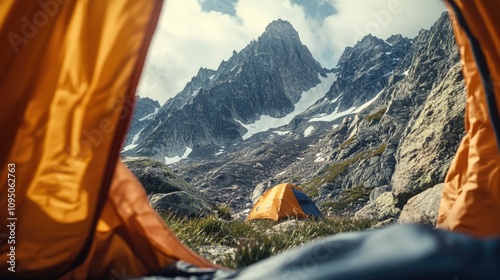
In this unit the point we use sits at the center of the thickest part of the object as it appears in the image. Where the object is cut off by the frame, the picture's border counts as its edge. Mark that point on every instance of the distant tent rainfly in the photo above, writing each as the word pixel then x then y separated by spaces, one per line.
pixel 283 201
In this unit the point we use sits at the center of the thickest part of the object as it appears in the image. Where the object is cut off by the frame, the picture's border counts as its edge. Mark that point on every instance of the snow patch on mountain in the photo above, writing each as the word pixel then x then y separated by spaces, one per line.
pixel 333 116
pixel 308 131
pixel 308 98
pixel 336 114
pixel 220 152
pixel 150 116
pixel 134 142
pixel 175 159
pixel 282 132
pixel 368 103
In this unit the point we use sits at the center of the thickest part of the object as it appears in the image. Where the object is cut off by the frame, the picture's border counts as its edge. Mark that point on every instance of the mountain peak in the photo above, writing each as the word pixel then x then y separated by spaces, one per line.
pixel 280 27
pixel 369 39
pixel 394 39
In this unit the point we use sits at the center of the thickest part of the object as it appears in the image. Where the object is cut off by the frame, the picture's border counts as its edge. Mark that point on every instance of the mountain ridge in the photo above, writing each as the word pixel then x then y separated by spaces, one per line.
pixel 216 95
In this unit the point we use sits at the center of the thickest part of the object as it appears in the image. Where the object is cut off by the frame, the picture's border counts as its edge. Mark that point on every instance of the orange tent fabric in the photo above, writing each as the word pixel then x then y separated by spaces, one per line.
pixel 278 203
pixel 471 196
pixel 68 74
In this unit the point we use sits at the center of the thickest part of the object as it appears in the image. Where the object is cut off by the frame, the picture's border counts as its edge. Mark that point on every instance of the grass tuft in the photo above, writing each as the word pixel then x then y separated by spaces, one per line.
pixel 224 211
pixel 347 142
pixel 251 239
pixel 377 115
pixel 348 196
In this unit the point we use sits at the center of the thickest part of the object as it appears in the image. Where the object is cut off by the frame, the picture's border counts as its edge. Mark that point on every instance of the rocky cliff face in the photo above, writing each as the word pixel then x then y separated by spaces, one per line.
pixel 365 69
pixel 386 129
pixel 407 137
pixel 362 72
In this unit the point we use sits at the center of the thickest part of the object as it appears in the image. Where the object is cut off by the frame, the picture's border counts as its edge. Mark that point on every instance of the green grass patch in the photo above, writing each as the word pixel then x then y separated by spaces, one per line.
pixel 224 211
pixel 249 238
pixel 378 151
pixel 347 142
pixel 311 187
pixel 377 115
pixel 353 195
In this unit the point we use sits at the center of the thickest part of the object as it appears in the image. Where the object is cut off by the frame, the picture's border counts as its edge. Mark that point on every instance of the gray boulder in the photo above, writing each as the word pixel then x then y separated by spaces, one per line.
pixel 379 191
pixel 261 188
pixel 383 208
pixel 423 208
pixel 284 227
pixel 155 176
pixel 180 203
pixel 166 191
pixel 217 253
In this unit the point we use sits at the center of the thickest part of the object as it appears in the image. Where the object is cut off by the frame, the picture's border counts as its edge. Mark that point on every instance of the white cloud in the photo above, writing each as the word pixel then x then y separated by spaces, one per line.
pixel 188 38
pixel 185 40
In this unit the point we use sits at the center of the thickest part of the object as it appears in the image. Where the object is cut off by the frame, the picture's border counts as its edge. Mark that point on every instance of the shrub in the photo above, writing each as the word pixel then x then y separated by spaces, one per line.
pixel 224 211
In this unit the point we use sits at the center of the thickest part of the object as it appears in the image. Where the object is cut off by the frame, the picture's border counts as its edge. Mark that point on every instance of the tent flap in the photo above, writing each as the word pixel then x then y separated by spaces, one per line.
pixel 471 192
pixel 68 76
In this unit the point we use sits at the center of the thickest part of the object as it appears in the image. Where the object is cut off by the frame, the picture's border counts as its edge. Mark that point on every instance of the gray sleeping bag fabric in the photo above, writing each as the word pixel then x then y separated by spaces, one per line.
pixel 397 252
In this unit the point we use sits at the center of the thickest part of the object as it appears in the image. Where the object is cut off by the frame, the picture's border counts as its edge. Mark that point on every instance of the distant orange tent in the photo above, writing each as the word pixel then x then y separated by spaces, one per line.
pixel 283 201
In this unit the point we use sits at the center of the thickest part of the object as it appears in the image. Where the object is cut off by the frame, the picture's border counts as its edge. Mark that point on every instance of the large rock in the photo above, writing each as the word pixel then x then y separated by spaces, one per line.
pixel 285 227
pixel 155 176
pixel 378 191
pixel 166 191
pixel 180 203
pixel 261 188
pixel 217 253
pixel 423 208
pixel 382 209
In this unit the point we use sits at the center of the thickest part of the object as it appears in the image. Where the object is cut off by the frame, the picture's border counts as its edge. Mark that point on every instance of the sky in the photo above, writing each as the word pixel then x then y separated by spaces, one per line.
pixel 201 33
